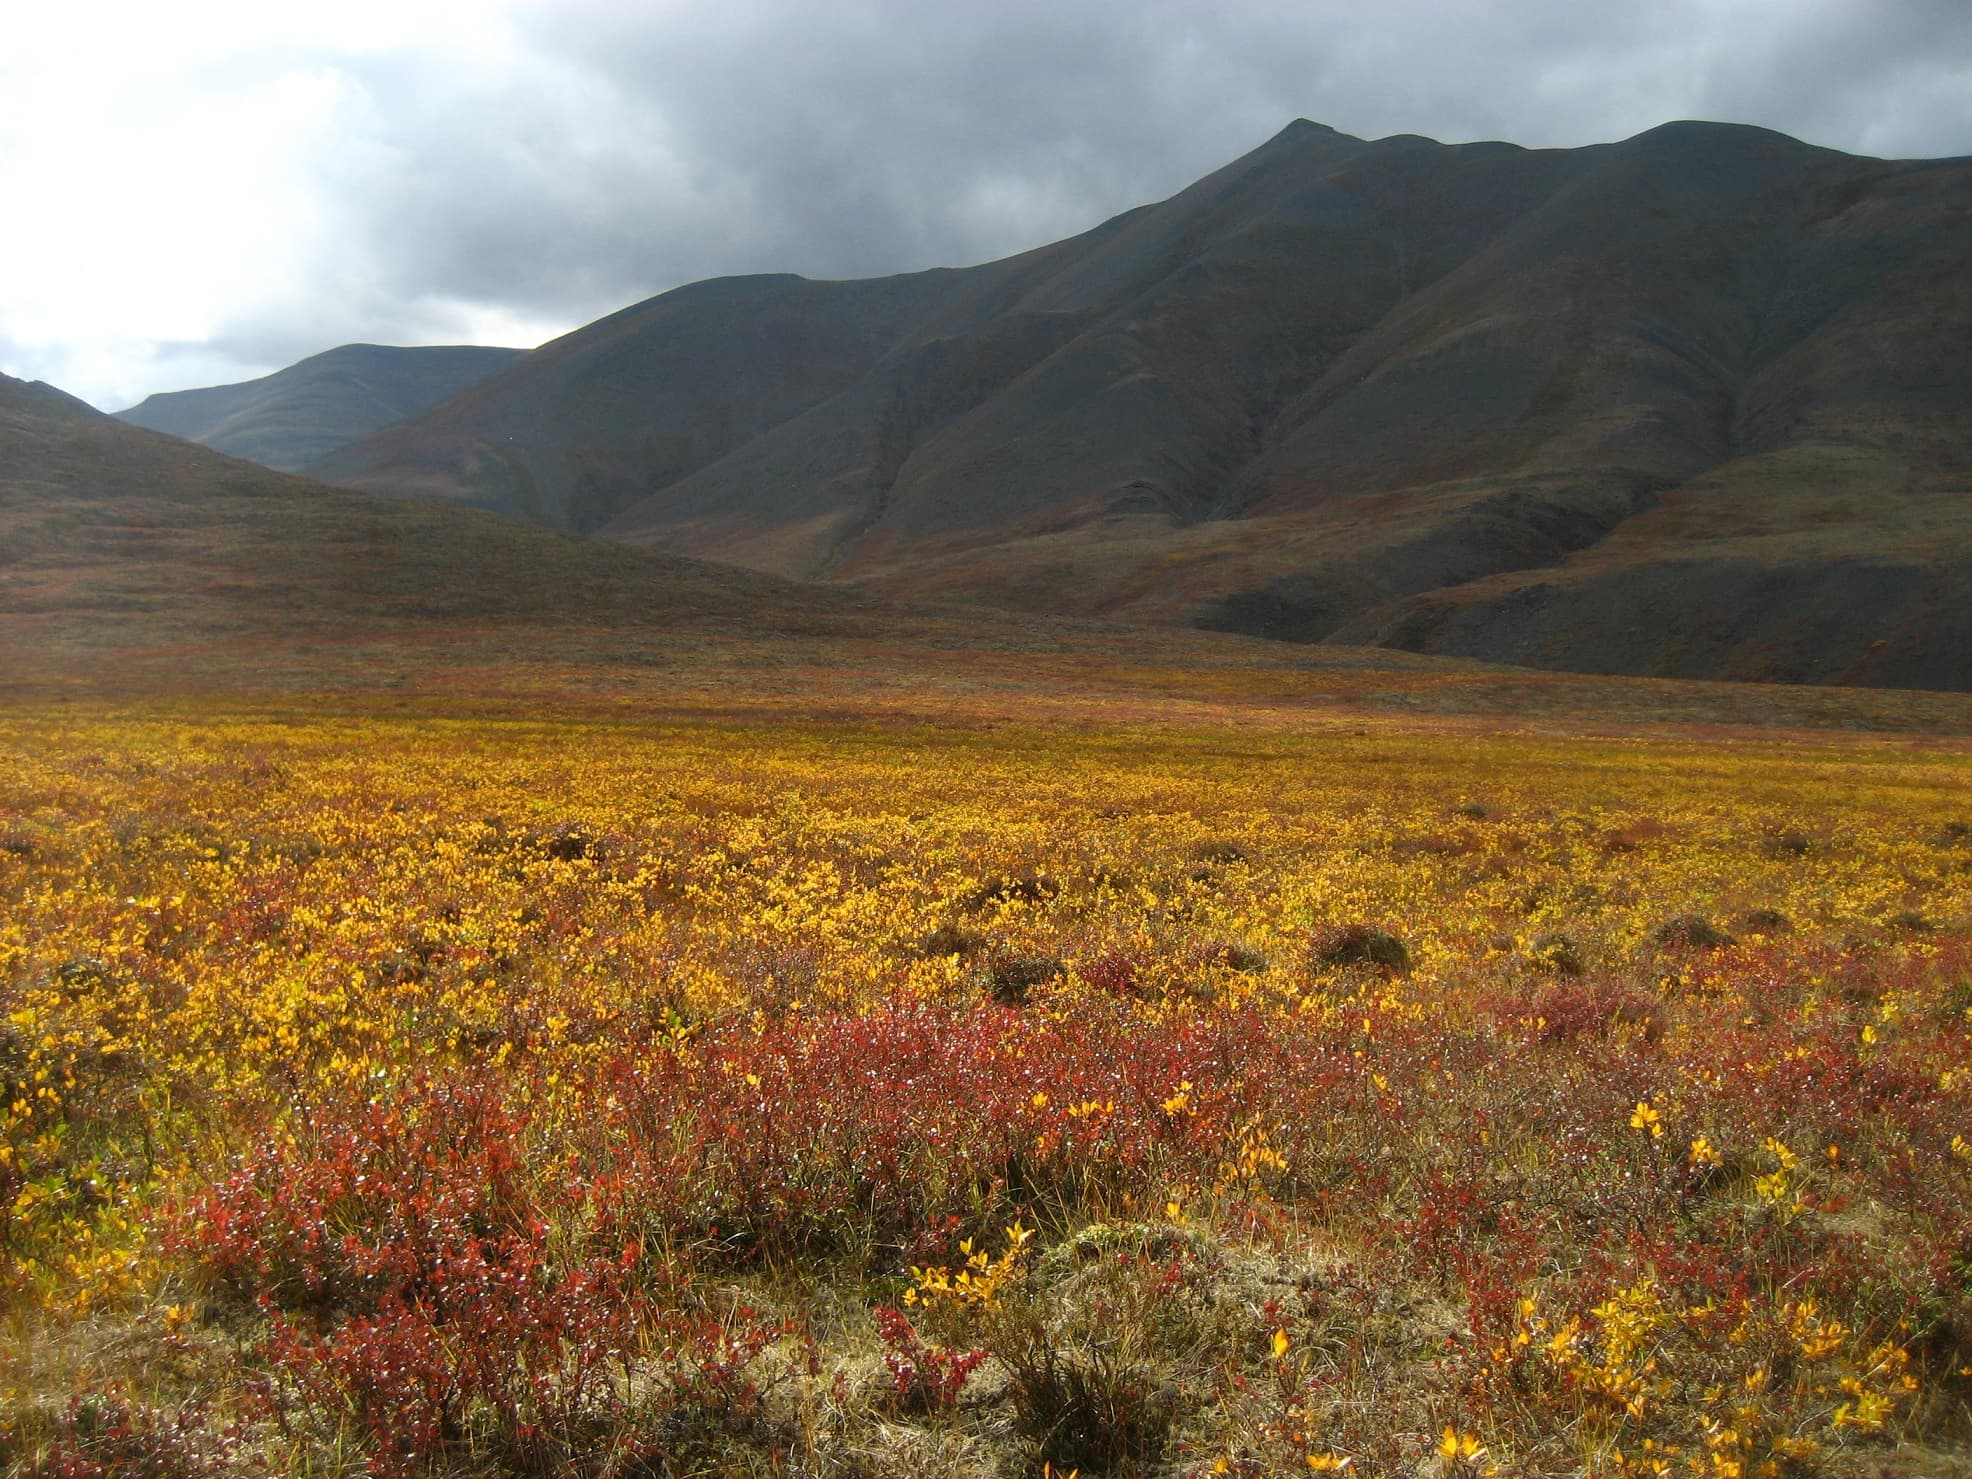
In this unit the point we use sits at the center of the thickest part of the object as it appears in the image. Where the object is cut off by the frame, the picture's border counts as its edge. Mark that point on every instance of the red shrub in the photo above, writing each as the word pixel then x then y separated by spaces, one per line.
pixel 926 1379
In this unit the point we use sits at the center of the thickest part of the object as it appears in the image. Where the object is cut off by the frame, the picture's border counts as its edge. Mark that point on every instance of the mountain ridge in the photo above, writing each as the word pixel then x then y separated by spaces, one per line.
pixel 295 417
pixel 115 537
pixel 1380 390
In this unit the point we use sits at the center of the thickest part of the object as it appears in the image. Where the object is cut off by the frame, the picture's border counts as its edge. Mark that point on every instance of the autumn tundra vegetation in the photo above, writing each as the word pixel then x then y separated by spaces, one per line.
pixel 402 1093
pixel 478 1000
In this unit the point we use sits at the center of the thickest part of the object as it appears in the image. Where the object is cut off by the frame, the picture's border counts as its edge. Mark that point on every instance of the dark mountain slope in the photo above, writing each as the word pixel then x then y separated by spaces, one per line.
pixel 1361 389
pixel 134 563
pixel 583 426
pixel 1118 374
pixel 295 417
pixel 113 536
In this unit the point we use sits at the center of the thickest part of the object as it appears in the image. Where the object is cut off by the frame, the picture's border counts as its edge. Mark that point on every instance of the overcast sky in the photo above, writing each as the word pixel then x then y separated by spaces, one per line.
pixel 204 192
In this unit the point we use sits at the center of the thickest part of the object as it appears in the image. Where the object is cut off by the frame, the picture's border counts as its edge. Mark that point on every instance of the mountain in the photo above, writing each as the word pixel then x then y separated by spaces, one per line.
pixel 295 417
pixel 1693 404
pixel 573 433
pixel 136 564
pixel 133 562
pixel 114 538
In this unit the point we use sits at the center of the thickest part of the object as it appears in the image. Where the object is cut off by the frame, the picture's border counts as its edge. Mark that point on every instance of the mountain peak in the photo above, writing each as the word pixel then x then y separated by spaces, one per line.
pixel 1304 129
pixel 44 399
pixel 1694 133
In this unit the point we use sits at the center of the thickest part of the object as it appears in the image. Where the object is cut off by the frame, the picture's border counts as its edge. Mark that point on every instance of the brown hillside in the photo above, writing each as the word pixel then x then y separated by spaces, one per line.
pixel 136 564
pixel 112 536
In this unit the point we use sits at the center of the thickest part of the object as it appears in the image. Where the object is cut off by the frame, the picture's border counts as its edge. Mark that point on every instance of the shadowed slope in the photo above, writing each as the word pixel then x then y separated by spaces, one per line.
pixel 136 564
pixel 575 431
pixel 295 417
pixel 132 559
pixel 113 537
pixel 1378 390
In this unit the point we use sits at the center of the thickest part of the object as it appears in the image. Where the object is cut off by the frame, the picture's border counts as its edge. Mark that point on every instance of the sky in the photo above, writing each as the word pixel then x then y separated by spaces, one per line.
pixel 205 191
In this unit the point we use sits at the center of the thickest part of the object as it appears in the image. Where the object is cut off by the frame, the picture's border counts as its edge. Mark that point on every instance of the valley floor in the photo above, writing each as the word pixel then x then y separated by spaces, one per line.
pixel 1122 1089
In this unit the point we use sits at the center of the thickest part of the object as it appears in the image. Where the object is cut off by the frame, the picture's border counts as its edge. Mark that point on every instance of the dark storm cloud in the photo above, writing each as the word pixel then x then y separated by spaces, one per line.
pixel 634 149
pixel 580 156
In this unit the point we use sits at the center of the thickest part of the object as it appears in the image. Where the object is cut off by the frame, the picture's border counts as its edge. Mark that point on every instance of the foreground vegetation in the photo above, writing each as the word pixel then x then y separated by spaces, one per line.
pixel 400 1094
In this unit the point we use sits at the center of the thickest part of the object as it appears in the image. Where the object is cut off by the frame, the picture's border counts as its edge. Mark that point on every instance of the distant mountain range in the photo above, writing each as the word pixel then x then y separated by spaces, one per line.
pixel 295 417
pixel 1695 404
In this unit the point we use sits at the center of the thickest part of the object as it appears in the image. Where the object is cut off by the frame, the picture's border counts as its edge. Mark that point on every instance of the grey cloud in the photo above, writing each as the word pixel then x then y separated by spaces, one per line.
pixel 640 147
pixel 855 139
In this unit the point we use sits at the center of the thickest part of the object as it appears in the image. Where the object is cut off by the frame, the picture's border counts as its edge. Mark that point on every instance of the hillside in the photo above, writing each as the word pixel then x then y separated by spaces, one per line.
pixel 114 538
pixel 132 561
pixel 135 564
pixel 295 417
pixel 1692 404
pixel 573 433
